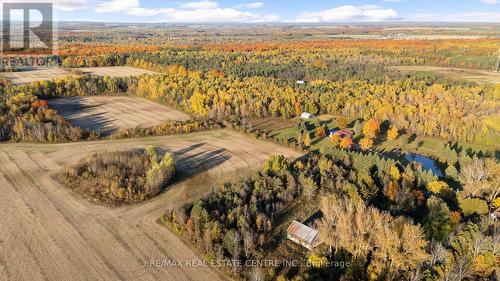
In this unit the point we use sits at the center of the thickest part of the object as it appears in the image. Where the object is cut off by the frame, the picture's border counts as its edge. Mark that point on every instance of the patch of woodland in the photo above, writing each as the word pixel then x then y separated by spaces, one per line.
pixel 26 118
pixel 120 177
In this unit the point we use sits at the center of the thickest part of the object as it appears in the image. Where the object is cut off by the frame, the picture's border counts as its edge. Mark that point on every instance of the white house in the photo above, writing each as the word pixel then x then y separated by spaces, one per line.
pixel 307 115
pixel 301 82
pixel 303 235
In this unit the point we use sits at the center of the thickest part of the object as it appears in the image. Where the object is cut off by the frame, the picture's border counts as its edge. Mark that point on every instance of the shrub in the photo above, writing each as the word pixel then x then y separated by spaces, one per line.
pixel 470 206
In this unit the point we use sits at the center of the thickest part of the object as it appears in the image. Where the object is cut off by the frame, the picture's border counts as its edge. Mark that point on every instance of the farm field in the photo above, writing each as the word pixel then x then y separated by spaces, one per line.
pixel 50 233
pixel 26 77
pixel 108 114
pixel 459 73
pixel 115 71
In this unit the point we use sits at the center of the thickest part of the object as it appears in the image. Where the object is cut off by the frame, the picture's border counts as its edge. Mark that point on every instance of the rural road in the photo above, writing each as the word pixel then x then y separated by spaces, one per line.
pixel 47 232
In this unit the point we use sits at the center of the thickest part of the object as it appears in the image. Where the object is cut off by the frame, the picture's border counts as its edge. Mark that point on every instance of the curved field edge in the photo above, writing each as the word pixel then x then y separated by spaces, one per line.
pixel 47 224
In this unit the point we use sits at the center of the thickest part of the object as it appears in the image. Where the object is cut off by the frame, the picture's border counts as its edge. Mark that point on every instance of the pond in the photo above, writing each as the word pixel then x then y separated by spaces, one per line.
pixel 426 162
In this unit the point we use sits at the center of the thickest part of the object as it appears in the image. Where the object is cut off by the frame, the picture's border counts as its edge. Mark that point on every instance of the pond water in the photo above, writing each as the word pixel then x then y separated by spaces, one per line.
pixel 426 162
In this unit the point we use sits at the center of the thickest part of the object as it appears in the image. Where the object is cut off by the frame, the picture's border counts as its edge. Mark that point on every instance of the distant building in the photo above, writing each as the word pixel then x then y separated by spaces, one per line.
pixel 301 82
pixel 307 115
pixel 303 235
pixel 342 133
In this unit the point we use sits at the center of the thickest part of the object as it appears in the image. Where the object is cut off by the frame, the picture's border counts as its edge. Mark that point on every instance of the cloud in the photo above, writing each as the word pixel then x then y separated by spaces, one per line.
pixel 65 5
pixel 252 5
pixel 200 5
pixel 456 17
pixel 349 13
pixel 489 1
pixel 69 5
pixel 215 15
pixel 116 6
pixel 130 7
pixel 201 11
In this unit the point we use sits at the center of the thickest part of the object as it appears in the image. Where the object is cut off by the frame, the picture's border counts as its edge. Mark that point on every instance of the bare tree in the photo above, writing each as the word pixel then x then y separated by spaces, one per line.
pixel 257 274
pixel 415 275
pixel 438 253
pixel 473 175
pixel 479 244
pixel 496 241
pixel 396 243
pixel 248 243
pixel 219 252
pixel 462 269
pixel 236 250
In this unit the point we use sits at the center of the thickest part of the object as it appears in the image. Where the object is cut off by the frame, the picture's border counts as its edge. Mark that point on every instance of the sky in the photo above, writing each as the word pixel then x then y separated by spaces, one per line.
pixel 249 11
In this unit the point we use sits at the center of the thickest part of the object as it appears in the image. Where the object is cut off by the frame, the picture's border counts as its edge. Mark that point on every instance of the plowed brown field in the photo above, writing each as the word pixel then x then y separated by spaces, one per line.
pixel 47 232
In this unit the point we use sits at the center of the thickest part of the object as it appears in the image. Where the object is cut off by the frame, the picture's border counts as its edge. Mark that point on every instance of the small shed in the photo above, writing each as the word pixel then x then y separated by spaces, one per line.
pixel 301 82
pixel 307 116
pixel 303 235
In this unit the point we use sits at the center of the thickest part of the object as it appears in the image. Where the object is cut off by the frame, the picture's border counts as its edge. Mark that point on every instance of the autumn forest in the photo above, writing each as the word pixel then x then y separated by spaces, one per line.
pixel 399 170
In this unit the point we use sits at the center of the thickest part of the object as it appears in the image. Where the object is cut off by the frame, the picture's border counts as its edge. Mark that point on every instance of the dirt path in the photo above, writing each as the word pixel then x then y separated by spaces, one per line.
pixel 47 232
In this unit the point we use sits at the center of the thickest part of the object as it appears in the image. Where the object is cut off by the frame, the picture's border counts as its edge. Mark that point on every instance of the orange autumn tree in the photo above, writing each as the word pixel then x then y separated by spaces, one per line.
pixel 336 138
pixel 320 132
pixel 346 143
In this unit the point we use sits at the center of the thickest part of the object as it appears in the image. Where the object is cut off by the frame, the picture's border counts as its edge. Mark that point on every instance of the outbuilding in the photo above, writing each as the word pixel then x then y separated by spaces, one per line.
pixel 303 235
pixel 307 116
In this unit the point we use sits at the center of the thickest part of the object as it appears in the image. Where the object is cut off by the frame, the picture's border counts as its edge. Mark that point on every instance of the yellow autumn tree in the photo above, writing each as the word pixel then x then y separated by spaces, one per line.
pixel 342 122
pixel 371 128
pixel 199 103
pixel 316 260
pixel 307 140
pixel 436 186
pixel 496 203
pixel 395 173
pixel 393 133
pixel 366 143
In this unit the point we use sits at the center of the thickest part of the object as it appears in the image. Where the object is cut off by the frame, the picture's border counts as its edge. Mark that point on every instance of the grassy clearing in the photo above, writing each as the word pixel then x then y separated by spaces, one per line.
pixel 432 147
pixel 459 73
